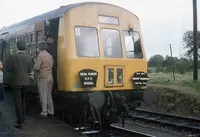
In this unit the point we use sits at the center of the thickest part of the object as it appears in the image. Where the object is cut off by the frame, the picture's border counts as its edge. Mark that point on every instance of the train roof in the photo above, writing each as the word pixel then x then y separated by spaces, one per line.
pixel 50 15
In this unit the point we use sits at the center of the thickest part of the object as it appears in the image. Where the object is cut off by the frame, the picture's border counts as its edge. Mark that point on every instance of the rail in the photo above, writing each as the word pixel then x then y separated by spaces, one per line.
pixel 113 131
pixel 180 122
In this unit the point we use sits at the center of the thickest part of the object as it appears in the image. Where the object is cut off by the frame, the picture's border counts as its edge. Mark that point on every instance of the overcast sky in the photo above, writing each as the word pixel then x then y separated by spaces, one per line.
pixel 163 22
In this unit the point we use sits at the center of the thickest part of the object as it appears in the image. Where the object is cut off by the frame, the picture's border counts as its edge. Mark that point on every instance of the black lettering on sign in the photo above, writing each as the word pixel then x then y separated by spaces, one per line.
pixel 140 79
pixel 88 78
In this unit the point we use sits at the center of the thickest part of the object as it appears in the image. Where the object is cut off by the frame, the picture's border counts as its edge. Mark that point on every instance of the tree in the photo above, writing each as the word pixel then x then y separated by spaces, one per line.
pixel 156 61
pixel 183 65
pixel 169 63
pixel 188 43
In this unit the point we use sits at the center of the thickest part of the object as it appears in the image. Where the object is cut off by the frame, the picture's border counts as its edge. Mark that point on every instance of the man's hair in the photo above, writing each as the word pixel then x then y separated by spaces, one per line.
pixel 21 45
pixel 42 46
pixel 49 35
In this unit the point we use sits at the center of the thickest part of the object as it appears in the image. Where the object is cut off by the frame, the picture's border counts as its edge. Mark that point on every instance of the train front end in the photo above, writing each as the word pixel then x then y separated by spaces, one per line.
pixel 101 56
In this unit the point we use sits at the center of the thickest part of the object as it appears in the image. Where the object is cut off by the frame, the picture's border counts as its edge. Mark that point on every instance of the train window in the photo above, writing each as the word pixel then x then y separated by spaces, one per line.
pixel 40 36
pixel 14 42
pixel 133 45
pixel 32 38
pixel 111 43
pixel 27 39
pixel 17 39
pixel 119 76
pixel 110 76
pixel 86 42
pixel 108 20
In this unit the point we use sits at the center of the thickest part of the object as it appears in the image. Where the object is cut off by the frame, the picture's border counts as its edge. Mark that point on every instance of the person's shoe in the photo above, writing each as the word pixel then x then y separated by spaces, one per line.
pixel 18 122
pixel 16 125
pixel 43 115
pixel 50 115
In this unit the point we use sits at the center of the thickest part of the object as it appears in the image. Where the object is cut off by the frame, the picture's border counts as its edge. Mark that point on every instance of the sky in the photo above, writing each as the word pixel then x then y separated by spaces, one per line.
pixel 163 22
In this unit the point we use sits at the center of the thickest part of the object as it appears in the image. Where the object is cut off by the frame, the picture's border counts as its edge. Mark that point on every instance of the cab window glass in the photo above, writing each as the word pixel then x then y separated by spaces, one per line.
pixel 111 43
pixel 133 45
pixel 86 42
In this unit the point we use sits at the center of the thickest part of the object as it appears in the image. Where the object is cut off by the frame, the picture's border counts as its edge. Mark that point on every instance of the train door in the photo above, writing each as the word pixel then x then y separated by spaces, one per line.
pixel 4 55
pixel 2 49
pixel 51 28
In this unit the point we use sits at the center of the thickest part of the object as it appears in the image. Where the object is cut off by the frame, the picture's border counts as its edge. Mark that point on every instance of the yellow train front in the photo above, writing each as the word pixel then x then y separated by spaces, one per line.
pixel 101 58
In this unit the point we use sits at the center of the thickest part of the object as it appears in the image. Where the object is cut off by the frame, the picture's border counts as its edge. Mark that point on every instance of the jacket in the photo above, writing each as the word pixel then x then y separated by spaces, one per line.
pixel 20 67
pixel 1 76
pixel 44 64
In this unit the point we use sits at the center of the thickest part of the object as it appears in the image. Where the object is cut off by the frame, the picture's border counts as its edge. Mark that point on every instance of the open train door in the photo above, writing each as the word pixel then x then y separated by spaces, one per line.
pixel 51 28
pixel 4 57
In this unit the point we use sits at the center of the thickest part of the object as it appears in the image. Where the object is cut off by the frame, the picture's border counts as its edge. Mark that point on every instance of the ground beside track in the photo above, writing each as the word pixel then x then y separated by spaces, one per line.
pixel 35 125
pixel 172 99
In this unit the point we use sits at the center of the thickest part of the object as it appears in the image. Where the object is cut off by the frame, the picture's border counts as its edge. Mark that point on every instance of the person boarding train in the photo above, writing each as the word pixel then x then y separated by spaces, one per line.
pixel 43 67
pixel 52 49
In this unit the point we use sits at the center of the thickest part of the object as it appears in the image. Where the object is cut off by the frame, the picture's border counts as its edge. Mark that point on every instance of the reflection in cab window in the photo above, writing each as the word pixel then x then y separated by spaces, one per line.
pixel 133 45
pixel 86 42
pixel 111 43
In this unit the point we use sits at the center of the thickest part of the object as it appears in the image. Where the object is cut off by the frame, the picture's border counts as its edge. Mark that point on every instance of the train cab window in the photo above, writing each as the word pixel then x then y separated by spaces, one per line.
pixel 86 42
pixel 133 45
pixel 111 43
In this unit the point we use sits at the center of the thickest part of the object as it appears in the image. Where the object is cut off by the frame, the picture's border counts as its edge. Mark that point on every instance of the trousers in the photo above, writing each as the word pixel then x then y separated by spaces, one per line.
pixel 20 104
pixel 45 85
pixel 55 84
pixel 1 91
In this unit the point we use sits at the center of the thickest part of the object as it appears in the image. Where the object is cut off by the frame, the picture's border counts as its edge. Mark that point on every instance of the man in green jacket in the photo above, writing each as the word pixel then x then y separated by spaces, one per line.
pixel 20 66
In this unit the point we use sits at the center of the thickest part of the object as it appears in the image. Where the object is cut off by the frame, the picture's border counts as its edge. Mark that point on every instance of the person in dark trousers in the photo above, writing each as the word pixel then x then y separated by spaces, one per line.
pixel 1 82
pixel 20 66
pixel 52 49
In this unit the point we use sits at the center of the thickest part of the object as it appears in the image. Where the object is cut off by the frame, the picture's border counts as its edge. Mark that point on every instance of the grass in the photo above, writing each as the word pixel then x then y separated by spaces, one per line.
pixel 181 81
pixel 177 97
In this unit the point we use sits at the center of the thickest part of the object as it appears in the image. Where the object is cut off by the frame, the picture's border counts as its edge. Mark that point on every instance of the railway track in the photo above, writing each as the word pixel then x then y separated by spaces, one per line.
pixel 178 122
pixel 114 131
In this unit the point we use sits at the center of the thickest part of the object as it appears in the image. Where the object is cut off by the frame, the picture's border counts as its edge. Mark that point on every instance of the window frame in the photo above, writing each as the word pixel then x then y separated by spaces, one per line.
pixel 33 38
pixel 41 32
pixel 133 46
pixel 99 52
pixel 122 54
pixel 27 38
pixel 108 23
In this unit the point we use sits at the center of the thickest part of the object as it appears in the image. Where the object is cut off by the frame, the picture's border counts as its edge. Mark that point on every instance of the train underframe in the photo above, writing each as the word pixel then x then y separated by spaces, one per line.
pixel 95 109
